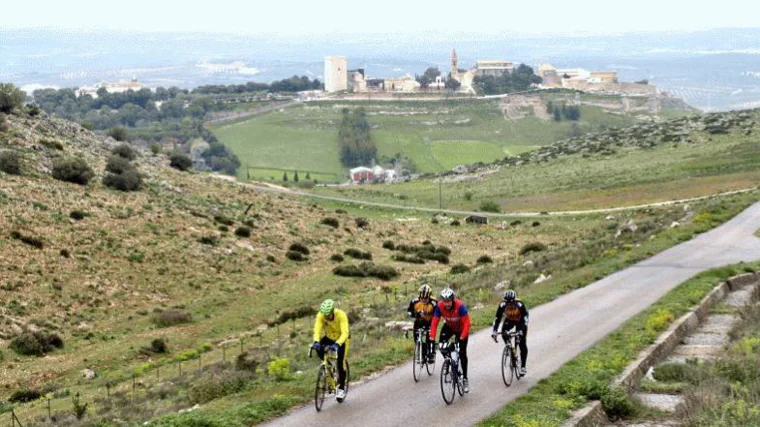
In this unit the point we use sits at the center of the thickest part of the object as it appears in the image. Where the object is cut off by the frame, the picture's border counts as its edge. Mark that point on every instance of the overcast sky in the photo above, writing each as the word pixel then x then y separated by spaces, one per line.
pixel 394 16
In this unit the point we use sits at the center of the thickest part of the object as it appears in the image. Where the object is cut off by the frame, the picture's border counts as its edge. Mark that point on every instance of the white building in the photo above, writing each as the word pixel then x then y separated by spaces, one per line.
pixel 494 67
pixel 336 74
pixel 119 87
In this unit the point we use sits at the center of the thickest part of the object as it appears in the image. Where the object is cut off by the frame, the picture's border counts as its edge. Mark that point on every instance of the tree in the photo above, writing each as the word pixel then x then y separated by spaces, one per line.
pixel 308 176
pixel 452 84
pixel 284 177
pixel 557 114
pixel 118 133
pixel 11 97
pixel 295 177
pixel 356 144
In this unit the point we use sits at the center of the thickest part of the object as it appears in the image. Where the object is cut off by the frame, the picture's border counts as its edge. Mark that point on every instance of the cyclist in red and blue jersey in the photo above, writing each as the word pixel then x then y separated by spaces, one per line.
pixel 456 323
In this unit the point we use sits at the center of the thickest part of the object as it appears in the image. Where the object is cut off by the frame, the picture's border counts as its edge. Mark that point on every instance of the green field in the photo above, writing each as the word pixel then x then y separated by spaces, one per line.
pixel 709 165
pixel 435 135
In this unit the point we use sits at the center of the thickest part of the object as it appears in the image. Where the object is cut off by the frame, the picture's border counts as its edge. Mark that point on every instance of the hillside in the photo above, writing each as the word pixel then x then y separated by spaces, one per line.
pixel 652 161
pixel 430 136
pixel 158 282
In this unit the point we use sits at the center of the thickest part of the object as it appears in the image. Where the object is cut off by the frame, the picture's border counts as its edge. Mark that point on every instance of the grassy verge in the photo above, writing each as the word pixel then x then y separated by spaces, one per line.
pixel 587 377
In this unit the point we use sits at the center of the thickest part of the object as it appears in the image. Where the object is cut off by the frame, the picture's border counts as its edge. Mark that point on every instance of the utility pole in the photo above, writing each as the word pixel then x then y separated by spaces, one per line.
pixel 440 194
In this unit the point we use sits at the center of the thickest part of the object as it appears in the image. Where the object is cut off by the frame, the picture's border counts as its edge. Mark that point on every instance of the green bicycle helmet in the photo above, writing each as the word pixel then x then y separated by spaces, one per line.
pixel 327 307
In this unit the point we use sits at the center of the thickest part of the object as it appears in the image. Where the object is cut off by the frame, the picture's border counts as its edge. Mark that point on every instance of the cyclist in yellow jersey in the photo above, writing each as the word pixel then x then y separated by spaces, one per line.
pixel 333 323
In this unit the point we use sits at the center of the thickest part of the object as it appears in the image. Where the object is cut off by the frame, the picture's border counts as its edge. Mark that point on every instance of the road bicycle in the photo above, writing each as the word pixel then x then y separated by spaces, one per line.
pixel 327 378
pixel 452 378
pixel 420 361
pixel 510 357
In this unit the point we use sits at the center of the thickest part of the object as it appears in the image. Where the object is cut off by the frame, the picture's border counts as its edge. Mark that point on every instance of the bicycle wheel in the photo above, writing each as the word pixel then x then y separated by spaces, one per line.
pixel 460 379
pixel 417 363
pixel 321 388
pixel 448 382
pixel 430 366
pixel 516 364
pixel 507 374
pixel 348 380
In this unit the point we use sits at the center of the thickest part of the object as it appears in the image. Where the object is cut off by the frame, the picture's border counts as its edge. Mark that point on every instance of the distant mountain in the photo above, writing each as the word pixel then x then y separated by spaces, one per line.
pixel 713 70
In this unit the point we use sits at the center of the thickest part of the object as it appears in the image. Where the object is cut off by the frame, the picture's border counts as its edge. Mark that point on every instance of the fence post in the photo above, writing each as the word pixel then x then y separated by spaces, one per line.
pixel 224 353
pixel 50 415
pixel 200 361
pixel 180 368
pixel 108 389
pixel 241 345
pixel 13 418
pixel 134 385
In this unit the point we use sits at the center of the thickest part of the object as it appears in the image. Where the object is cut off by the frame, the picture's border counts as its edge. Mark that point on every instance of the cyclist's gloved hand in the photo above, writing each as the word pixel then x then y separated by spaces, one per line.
pixel 494 334
pixel 316 346
pixel 334 347
pixel 520 333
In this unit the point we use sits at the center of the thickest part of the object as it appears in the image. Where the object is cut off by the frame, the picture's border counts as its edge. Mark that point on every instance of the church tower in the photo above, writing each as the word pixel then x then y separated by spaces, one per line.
pixel 454 64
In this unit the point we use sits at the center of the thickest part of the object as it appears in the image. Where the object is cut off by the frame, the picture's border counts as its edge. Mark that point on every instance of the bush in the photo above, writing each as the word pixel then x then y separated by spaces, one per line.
pixel 118 133
pixel 336 258
pixel 515 223
pixel 243 231
pixel 217 385
pixel 166 318
pixel 35 343
pixel 532 247
pixel 299 247
pixel 118 164
pixel 10 163
pixel 412 259
pixel 78 215
pixel 180 161
pixel 129 180
pixel 73 170
pixel 382 272
pixel 246 362
pixel 340 211
pixel 331 222
pixel 456 223
pixel 659 321
pixel 348 271
pixel 65 253
pixel 209 240
pixel 11 97
pixel 459 269
pixel 362 222
pixel 616 403
pixel 296 256
pixel 155 148
pixel 24 396
pixel 159 346
pixel 535 224
pixel 443 250
pixel 388 244
pixel 490 206
pixel 124 151
pixel 485 259
pixel 307 185
pixel 29 240
pixel 357 254
pixel 279 369
pixel 221 219
pixel 677 372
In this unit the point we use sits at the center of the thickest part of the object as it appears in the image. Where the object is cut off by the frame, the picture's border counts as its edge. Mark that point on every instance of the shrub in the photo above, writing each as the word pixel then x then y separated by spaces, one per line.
pixel 515 223
pixel 490 206
pixel 348 271
pixel 382 272
pixel 73 170
pixel 362 222
pixel 129 180
pixel 209 240
pixel 296 256
pixel 221 219
pixel 159 346
pixel 616 403
pixel 677 372
pixel 155 148
pixel 80 409
pixel 388 244
pixel 443 250
pixel 331 222
pixel 279 369
pixel 412 259
pixel 78 215
pixel 10 163
pixel 532 247
pixel 29 240
pixel 659 321
pixel 246 362
pixel 357 254
pixel 124 151
pixel 272 259
pixel 535 224
pixel 35 343
pixel 340 211
pixel 299 247
pixel 180 161
pixel 336 258
pixel 24 396
pixel 118 133
pixel 459 269
pixel 243 231
pixel 11 97
pixel 485 259
pixel 307 185
pixel 166 318
pixel 223 228
pixel 65 253
pixel 456 223
pixel 118 164
pixel 434 220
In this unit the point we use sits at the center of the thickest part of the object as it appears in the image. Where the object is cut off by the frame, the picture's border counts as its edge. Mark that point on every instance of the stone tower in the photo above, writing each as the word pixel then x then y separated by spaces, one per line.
pixel 454 63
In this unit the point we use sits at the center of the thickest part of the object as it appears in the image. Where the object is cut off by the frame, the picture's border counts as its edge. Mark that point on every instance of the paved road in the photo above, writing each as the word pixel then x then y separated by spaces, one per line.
pixel 559 331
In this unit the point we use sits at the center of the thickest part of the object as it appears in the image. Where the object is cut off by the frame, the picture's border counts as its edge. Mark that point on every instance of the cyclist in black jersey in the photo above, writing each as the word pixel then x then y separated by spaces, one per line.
pixel 421 309
pixel 515 315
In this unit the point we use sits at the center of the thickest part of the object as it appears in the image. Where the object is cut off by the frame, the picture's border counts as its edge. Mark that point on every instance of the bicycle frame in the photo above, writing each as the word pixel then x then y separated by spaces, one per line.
pixel 330 356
